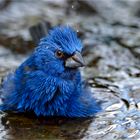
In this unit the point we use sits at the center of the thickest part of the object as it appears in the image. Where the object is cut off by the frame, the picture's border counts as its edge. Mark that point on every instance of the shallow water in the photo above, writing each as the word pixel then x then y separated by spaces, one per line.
pixel 112 55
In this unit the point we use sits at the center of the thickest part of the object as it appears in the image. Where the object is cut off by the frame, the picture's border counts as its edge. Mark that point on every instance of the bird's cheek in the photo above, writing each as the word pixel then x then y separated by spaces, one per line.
pixel 58 67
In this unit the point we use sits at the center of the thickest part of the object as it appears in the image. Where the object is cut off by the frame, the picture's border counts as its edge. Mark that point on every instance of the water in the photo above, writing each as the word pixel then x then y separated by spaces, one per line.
pixel 113 67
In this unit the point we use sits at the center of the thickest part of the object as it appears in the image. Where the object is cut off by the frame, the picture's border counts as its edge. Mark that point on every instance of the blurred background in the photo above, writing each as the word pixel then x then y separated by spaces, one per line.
pixel 110 32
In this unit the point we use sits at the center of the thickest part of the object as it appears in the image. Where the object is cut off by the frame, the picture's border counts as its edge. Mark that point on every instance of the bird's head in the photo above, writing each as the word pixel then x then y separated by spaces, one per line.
pixel 59 51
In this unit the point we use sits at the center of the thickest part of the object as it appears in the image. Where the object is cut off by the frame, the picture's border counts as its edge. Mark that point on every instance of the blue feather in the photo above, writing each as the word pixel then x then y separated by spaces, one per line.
pixel 44 85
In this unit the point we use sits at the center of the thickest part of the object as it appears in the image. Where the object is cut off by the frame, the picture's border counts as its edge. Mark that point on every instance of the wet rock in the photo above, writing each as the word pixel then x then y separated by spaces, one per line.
pixel 17 44
pixel 110 34
pixel 81 7
pixel 9 61
pixel 4 4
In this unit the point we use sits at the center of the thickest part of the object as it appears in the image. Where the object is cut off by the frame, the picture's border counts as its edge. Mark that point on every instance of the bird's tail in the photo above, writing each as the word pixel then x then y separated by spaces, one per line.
pixel 38 31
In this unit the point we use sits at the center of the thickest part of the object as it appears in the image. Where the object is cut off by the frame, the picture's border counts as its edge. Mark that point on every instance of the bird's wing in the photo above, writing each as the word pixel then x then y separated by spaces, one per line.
pixel 37 89
pixel 33 92
pixel 39 31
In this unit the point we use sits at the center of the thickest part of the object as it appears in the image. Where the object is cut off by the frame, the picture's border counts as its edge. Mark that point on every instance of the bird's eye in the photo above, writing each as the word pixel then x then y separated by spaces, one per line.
pixel 59 54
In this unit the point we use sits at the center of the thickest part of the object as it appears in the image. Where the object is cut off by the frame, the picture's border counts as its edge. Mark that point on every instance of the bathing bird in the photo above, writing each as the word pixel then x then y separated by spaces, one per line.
pixel 49 82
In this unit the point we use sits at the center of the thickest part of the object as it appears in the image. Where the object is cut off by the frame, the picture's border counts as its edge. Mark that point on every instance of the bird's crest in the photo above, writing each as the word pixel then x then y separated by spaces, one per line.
pixel 63 37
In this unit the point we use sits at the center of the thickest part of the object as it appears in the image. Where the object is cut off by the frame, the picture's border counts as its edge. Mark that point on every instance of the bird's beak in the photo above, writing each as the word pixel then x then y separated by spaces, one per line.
pixel 75 61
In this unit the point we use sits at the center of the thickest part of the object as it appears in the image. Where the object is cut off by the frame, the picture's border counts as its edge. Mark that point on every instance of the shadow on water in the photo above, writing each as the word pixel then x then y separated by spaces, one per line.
pixel 21 126
pixel 110 32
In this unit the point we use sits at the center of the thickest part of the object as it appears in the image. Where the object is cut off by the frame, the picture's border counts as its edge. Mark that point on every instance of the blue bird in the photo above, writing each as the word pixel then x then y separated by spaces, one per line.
pixel 49 82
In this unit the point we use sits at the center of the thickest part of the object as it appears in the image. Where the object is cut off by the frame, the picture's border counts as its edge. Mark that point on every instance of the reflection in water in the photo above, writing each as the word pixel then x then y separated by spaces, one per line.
pixel 19 126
